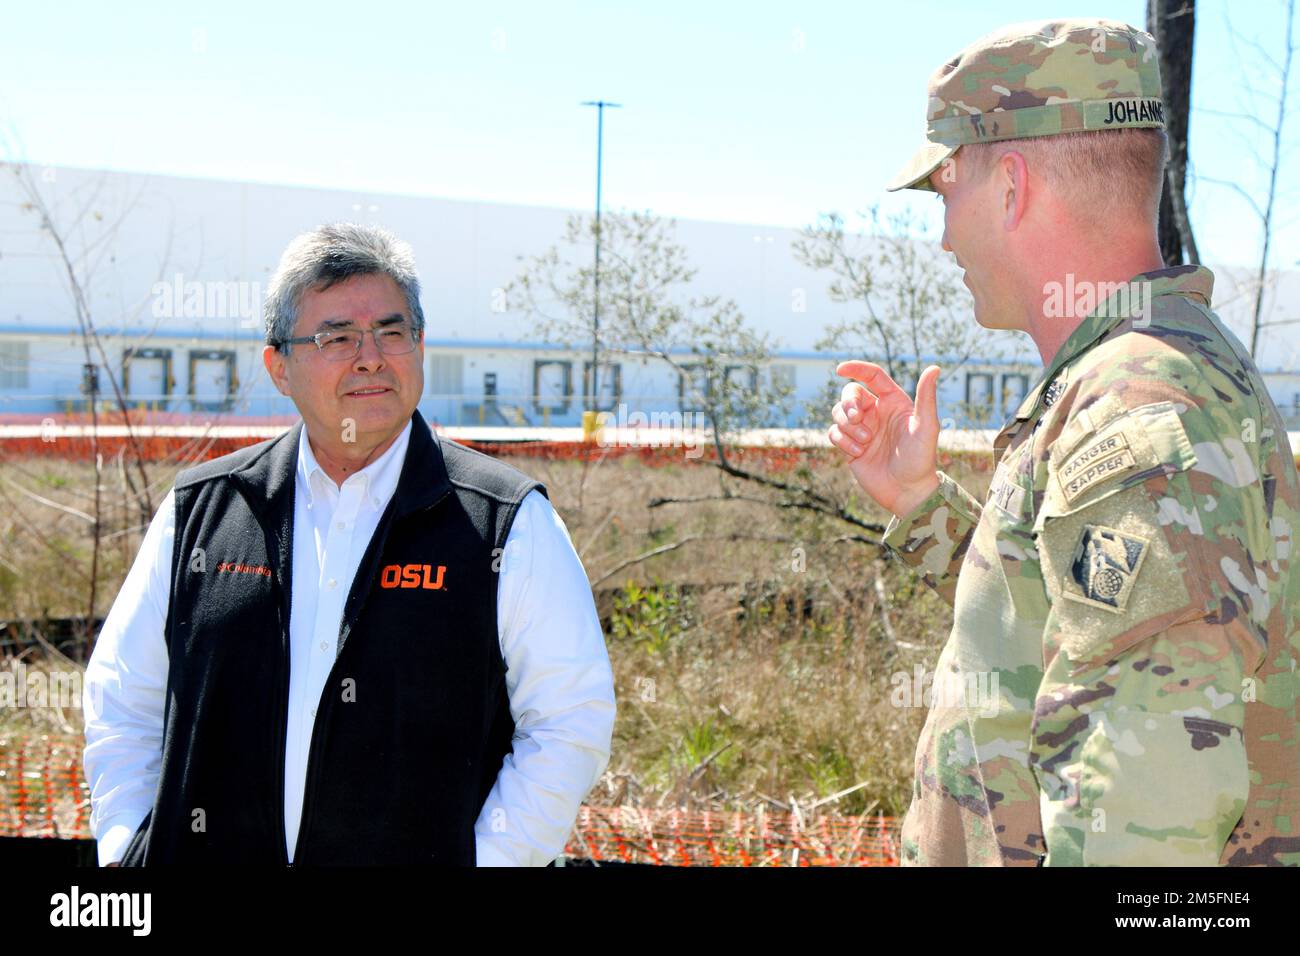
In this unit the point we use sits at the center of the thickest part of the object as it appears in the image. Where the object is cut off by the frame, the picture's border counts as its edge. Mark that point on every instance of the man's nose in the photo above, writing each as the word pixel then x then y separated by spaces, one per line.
pixel 944 241
pixel 368 356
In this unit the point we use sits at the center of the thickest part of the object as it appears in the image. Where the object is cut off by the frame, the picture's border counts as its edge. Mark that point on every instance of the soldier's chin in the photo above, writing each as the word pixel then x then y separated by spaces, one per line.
pixel 994 319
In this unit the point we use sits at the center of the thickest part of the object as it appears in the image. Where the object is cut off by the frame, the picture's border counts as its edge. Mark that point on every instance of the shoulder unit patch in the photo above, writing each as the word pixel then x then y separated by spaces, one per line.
pixel 1104 567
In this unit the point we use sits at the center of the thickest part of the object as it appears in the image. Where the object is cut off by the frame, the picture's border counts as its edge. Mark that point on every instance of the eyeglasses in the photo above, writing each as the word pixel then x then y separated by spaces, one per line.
pixel 339 345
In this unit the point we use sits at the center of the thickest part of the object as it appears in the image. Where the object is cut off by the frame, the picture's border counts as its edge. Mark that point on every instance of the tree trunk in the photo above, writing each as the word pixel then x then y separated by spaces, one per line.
pixel 1173 24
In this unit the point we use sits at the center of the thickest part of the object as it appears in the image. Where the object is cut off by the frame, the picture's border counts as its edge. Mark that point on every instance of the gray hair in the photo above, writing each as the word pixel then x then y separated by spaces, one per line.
pixel 329 255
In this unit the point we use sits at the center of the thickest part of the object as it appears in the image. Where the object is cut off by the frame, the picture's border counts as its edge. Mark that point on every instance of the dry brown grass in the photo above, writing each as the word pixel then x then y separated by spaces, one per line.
pixel 752 663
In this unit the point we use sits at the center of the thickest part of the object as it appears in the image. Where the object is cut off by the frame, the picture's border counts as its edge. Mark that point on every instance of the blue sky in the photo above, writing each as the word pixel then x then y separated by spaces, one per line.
pixel 765 112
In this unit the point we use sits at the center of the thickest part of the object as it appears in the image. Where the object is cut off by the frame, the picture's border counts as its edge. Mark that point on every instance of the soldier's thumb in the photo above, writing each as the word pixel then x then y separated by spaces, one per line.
pixel 927 398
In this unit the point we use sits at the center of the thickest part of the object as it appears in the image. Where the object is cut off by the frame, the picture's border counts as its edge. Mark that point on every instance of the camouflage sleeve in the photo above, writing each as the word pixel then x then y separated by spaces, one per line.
pixel 932 538
pixel 1138 733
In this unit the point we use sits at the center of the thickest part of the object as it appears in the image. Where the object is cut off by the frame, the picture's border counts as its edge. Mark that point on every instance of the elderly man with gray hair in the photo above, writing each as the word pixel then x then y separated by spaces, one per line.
pixel 356 643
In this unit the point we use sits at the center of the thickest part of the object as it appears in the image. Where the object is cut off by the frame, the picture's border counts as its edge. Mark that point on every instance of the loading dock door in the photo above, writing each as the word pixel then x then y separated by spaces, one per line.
pixel 147 375
pixel 212 379
pixel 553 386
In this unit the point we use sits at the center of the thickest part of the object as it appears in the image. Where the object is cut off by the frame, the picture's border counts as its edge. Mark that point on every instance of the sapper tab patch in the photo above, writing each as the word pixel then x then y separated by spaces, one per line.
pixel 1104 567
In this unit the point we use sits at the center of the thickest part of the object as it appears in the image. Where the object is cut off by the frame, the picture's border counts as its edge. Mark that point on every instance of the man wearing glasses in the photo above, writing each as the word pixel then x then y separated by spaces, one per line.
pixel 355 643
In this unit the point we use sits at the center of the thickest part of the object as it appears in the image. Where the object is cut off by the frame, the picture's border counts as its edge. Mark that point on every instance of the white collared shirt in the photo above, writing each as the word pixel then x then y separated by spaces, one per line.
pixel 558 676
pixel 339 523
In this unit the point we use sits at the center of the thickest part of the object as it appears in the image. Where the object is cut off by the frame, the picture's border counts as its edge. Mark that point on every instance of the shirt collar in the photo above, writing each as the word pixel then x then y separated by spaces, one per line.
pixel 378 479
pixel 1192 281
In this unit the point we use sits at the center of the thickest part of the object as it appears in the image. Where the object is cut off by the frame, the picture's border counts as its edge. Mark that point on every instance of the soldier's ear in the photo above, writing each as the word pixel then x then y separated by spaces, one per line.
pixel 1012 177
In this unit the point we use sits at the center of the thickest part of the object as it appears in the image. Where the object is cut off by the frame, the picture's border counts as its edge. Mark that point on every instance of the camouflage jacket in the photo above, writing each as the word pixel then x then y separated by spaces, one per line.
pixel 1127 600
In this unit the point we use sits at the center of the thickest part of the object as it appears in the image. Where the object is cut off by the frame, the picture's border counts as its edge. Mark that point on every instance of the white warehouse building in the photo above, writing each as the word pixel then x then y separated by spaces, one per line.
pixel 174 270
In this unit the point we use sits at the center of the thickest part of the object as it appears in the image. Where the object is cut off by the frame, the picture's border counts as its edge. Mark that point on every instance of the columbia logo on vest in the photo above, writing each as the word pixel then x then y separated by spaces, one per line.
pixel 412 576
pixel 234 567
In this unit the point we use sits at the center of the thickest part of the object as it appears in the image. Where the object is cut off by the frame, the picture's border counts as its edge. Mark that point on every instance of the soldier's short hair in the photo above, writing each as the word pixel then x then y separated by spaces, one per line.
pixel 1121 170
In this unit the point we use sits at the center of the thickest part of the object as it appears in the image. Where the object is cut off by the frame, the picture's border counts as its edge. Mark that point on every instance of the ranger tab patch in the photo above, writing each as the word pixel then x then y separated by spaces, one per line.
pixel 1104 567
pixel 1097 462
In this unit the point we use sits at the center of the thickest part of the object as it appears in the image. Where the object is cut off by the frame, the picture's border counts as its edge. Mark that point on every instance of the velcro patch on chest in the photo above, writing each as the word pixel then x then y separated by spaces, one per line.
pixel 1104 567
pixel 1096 462
pixel 1006 492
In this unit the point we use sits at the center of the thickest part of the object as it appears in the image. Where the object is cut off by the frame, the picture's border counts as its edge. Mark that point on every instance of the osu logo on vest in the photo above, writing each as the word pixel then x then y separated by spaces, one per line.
pixel 412 576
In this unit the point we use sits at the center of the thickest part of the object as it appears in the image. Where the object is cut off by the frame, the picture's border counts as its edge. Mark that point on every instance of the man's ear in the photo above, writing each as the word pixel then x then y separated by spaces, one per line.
pixel 274 361
pixel 1013 180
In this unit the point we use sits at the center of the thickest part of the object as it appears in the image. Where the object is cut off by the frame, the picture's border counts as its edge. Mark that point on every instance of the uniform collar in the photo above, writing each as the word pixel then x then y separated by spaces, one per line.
pixel 378 479
pixel 1195 282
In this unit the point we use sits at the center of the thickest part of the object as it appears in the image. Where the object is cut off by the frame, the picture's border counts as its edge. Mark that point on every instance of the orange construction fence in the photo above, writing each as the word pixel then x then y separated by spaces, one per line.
pixel 43 794
pixel 191 449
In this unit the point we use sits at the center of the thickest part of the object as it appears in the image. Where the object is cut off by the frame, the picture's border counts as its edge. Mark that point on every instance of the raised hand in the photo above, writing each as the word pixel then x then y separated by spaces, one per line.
pixel 890 441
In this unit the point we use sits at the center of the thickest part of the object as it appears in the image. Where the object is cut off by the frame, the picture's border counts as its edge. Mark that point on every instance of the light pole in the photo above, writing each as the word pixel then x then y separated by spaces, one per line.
pixel 762 242
pixel 595 281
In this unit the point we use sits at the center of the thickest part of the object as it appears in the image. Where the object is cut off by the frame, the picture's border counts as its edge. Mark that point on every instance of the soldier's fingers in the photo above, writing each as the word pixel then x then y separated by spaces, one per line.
pixel 854 429
pixel 843 442
pixel 871 375
pixel 856 400
pixel 927 396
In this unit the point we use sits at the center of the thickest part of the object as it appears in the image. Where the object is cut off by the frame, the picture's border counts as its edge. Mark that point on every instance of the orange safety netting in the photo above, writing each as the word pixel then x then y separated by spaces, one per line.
pixel 43 794
pixel 42 790
pixel 192 449
pixel 674 837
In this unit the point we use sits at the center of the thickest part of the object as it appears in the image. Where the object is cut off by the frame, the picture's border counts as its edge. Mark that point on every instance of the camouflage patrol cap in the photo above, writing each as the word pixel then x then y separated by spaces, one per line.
pixel 1038 79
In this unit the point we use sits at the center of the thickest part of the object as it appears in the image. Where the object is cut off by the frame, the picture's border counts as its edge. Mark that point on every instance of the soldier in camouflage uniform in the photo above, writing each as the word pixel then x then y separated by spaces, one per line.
pixel 1128 582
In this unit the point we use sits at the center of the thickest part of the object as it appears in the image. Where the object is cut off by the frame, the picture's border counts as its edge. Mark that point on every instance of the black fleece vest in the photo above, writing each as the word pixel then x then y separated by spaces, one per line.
pixel 414 721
